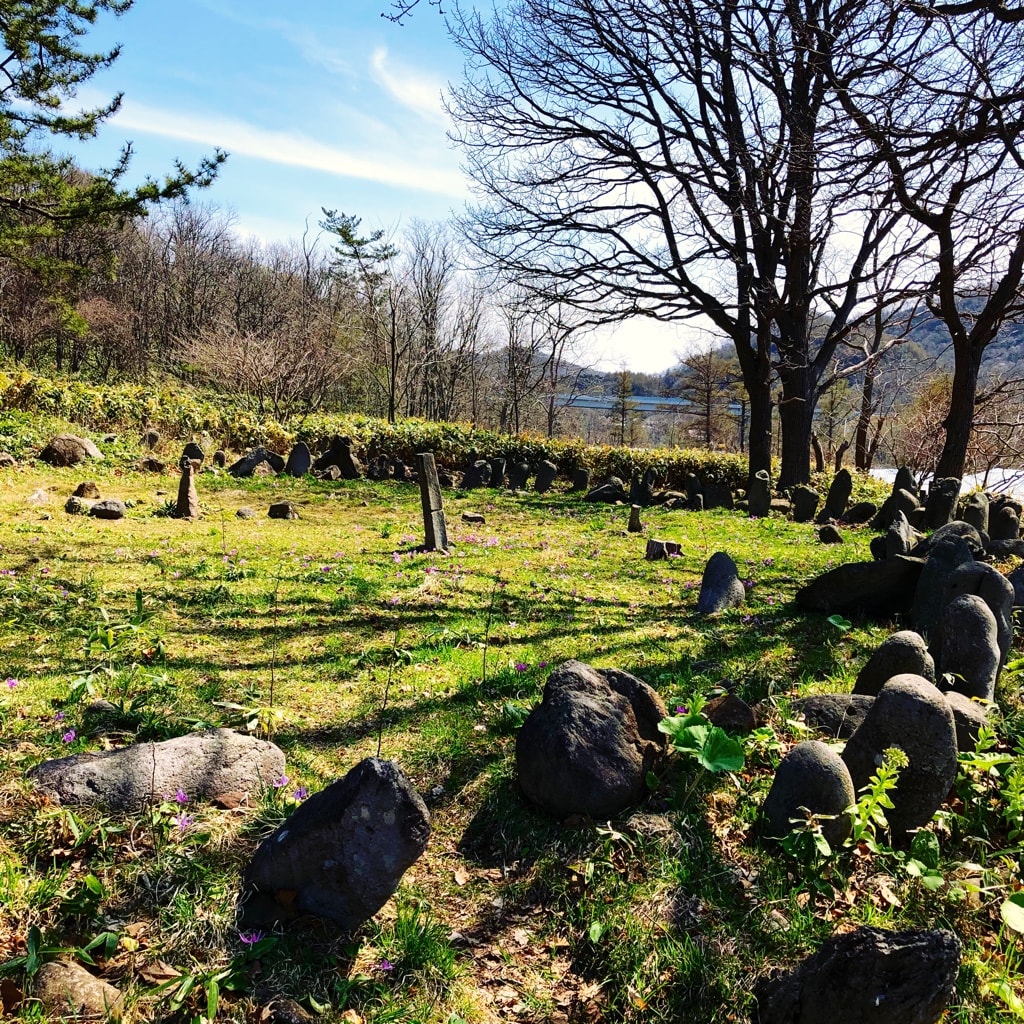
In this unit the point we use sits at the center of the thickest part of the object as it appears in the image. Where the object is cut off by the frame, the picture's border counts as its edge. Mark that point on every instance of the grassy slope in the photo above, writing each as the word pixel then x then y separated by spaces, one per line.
pixel 299 626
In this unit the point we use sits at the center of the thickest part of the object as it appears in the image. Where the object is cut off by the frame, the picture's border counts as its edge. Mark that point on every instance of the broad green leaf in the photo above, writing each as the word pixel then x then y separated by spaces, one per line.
pixel 925 848
pixel 1003 990
pixel 1012 912
pixel 720 752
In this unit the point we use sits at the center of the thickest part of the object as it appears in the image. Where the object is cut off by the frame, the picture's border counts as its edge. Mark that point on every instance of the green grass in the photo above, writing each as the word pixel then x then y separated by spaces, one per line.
pixel 297 629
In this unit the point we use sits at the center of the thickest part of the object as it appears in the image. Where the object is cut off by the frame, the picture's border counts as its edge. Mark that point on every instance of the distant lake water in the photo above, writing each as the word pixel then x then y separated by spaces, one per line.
pixel 998 481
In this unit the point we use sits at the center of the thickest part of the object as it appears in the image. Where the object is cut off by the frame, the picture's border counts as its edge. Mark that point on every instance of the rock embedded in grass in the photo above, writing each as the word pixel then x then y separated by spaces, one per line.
pixel 910 713
pixel 970 647
pixel 110 508
pixel 867 975
pixel 587 747
pixel 720 586
pixel 69 450
pixel 201 764
pixel 837 714
pixel 69 992
pixel 811 777
pixel 342 853
pixel 283 510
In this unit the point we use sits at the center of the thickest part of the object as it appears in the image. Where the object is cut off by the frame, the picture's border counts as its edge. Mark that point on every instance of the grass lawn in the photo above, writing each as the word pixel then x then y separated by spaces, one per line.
pixel 298 629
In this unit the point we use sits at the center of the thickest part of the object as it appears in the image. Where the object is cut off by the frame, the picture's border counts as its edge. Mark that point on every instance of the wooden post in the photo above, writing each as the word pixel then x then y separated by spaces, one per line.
pixel 433 508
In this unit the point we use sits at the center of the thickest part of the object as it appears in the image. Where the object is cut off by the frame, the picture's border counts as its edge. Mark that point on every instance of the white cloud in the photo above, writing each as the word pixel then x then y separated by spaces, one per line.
pixel 412 89
pixel 288 148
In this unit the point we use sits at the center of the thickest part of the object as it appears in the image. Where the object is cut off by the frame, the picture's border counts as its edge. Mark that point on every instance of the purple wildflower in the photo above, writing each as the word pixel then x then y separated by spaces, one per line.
pixel 180 797
pixel 11 683
pixel 281 781
pixel 183 821
pixel 385 965
pixel 521 666
pixel 69 736
pixel 300 794
pixel 59 717
pixel 250 938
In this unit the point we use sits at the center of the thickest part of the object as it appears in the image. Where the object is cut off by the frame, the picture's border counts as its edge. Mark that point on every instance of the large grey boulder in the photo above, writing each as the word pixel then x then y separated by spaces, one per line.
pixel 867 976
pixel 899 501
pixel 588 746
pixel 901 537
pixel 970 647
pixel 338 452
pixel 805 501
pixel 203 765
pixel 546 473
pixel 975 511
pixel 258 458
pixel 910 713
pixel 956 529
pixel 109 508
pixel 478 474
pixel 720 586
pixel 1004 522
pixel 900 654
pixel 69 450
pixel 68 992
pixel 813 778
pixel 341 854
pixel 878 589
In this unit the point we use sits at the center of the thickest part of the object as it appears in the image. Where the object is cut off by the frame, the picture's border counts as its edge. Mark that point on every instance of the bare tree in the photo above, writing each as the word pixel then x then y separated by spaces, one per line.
pixel 705 379
pixel 682 159
pixel 938 93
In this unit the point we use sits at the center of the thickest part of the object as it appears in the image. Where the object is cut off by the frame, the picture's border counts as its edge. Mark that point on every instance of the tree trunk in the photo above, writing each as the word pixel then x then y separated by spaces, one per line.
pixel 796 413
pixel 760 441
pixel 819 455
pixel 960 418
pixel 861 447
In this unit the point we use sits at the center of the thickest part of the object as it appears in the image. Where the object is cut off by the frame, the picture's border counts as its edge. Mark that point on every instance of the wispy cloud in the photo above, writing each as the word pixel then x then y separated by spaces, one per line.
pixel 288 148
pixel 417 91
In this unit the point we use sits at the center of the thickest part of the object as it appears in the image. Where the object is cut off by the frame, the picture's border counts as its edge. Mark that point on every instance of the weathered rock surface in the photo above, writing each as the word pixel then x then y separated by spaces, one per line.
pixel 731 713
pixel 910 713
pixel 342 853
pixel 813 778
pixel 838 497
pixel 720 586
pixel 588 746
pixel 805 501
pixel 759 494
pixel 970 647
pixel 300 460
pixel 867 976
pixel 202 764
pixel 941 503
pixel 283 510
pixel 930 597
pixel 110 508
pixel 546 473
pixel 879 589
pixel 995 590
pixel 900 654
pixel 69 450
pixel 837 714
pixel 69 992
pixel 968 717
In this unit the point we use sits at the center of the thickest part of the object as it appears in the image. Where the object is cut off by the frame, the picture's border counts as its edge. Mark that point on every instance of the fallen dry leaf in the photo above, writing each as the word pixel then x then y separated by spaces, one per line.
pixel 521 937
pixel 461 875
pixel 157 973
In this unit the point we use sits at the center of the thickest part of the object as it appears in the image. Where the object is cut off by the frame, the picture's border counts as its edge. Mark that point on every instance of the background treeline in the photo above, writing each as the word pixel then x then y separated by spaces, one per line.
pixel 339 323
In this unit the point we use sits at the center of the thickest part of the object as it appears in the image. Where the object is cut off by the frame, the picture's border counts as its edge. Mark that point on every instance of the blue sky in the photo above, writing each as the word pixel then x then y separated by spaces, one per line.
pixel 320 103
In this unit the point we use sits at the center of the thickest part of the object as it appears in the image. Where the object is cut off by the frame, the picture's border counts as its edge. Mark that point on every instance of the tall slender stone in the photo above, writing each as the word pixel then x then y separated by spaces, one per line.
pixel 434 526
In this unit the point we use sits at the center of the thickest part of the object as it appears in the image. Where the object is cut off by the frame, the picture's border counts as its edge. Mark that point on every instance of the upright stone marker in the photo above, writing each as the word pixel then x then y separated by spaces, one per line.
pixel 433 507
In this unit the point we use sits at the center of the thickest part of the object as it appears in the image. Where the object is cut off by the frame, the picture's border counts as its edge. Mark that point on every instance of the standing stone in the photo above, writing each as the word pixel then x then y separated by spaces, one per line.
pixel 969 716
pixel 867 976
pixel 588 746
pixel 878 589
pixel 187 505
pixel 192 451
pixel 838 496
pixel 759 494
pixel 341 854
pixel 899 501
pixel 580 480
pixel 518 475
pixel 975 511
pixel 862 512
pixel 497 472
pixel 88 489
pixel 641 488
pixel 995 590
pixel 720 586
pixel 635 526
pixel 545 477
pixel 837 714
pixel 828 534
pixel 1004 523
pixel 941 503
pixel 805 503
pixel 970 647
pixel 151 438
pixel 903 653
pixel 478 474
pixel 929 597
pixel 909 713
pixel 300 460
pixel 900 538
pixel 717 495
pixel 814 777
pixel 905 481
pixel 611 491
pixel 693 487
pixel 220 458
pixel 434 527
pixel 338 452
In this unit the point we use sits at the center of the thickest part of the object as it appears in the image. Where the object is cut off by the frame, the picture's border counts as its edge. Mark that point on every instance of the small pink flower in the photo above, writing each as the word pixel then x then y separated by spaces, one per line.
pixel 11 683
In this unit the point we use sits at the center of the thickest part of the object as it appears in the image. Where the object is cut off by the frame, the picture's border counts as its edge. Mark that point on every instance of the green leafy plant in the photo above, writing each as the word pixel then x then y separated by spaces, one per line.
pixel 710 746
pixel 868 813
